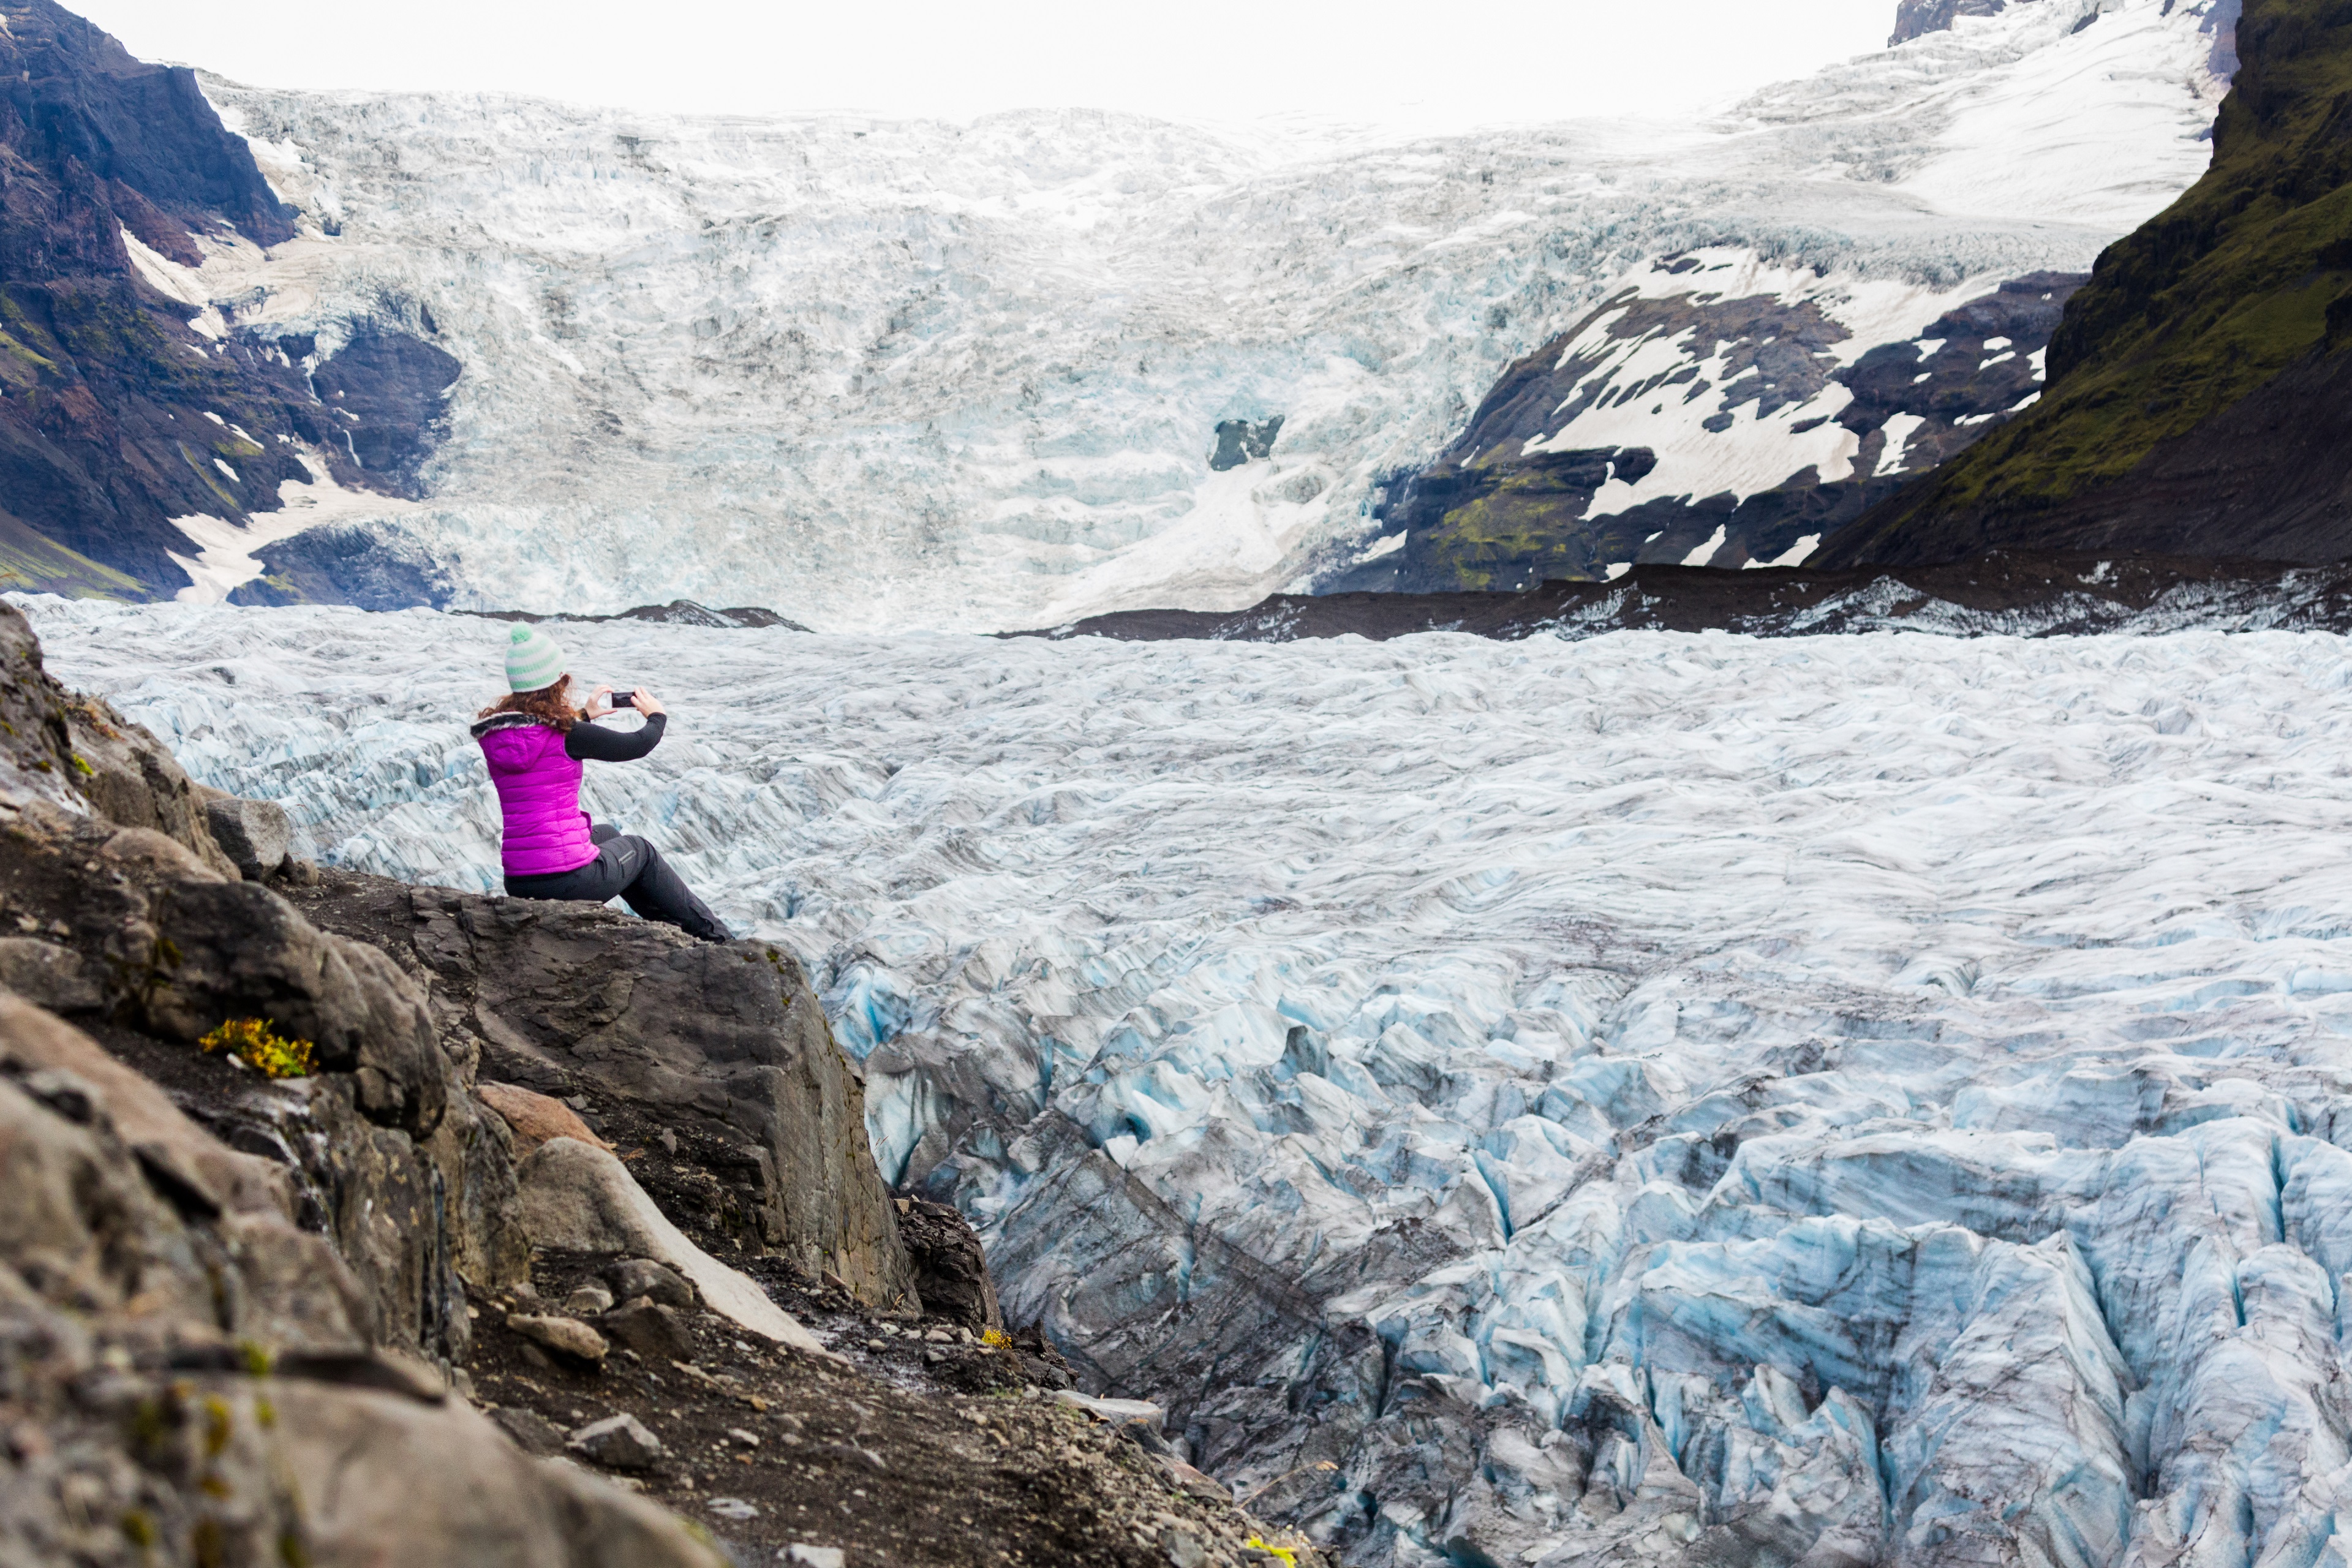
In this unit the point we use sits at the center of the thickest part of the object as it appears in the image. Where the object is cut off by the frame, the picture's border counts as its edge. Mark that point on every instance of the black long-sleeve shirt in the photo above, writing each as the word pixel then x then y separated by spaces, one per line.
pixel 587 743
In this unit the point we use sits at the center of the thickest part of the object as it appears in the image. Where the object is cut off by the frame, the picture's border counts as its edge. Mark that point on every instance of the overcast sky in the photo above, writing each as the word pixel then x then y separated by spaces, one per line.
pixel 1424 66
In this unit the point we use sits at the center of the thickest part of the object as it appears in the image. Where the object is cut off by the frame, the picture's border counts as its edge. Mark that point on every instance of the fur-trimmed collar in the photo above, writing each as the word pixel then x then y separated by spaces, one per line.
pixel 498 722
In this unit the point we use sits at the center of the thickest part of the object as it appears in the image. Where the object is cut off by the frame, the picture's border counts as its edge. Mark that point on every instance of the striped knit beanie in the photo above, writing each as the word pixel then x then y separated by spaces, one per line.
pixel 534 660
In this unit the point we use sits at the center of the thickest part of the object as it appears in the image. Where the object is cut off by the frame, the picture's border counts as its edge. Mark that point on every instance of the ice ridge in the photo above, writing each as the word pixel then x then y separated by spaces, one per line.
pixel 1654 1098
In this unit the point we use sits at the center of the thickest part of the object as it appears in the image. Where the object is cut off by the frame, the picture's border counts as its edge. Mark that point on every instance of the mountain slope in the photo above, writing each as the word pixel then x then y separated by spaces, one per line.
pixel 2198 386
pixel 1762 380
pixel 136 418
pixel 1718 409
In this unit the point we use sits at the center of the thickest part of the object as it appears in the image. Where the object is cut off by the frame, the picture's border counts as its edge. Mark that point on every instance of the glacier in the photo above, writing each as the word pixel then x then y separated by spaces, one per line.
pixel 1671 1098
pixel 883 374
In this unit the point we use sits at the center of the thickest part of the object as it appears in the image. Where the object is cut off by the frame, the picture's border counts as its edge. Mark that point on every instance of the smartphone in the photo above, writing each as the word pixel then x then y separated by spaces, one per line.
pixel 621 699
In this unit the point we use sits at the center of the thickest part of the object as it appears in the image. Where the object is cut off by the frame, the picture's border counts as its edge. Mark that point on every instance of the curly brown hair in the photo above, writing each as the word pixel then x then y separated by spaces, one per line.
pixel 549 705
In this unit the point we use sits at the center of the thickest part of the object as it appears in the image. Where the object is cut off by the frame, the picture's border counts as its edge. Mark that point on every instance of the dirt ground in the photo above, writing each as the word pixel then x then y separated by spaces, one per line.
pixel 894 1459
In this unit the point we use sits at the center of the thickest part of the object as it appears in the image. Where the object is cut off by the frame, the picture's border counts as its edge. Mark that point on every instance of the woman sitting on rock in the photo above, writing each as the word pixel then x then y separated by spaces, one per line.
pixel 535 741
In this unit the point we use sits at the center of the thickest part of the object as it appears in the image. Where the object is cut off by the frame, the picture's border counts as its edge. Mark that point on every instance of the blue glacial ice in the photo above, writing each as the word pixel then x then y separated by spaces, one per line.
pixel 1664 1098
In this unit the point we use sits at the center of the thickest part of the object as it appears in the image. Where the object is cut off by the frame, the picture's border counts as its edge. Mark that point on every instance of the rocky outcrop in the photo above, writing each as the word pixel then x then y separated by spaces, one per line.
pixel 386 389
pixel 257 836
pixel 576 1196
pixel 1513 502
pixel 716 1058
pixel 1243 441
pixel 186 1377
pixel 950 1270
pixel 346 564
pixel 126 400
pixel 1916 18
pixel 78 754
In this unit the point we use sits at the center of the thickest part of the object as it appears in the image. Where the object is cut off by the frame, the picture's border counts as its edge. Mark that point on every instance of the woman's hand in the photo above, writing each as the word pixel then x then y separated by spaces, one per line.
pixel 646 702
pixel 600 703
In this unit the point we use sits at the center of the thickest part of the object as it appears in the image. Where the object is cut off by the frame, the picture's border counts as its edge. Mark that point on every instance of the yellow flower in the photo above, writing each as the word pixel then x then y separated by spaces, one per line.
pixel 253 1042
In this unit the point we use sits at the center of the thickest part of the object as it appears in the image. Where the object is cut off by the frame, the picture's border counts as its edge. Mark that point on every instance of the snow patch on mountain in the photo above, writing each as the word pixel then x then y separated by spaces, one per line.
pixel 881 373
pixel 1878 1098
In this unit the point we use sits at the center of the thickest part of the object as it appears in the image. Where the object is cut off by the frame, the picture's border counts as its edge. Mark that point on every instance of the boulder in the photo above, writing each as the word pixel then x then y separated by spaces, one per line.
pixel 535 1118
pixel 256 835
pixel 567 1336
pixel 64 750
pixel 48 975
pixel 148 854
pixel 635 1277
pixel 532 1433
pixel 579 1197
pixel 618 1442
pixel 388 1480
pixel 588 1301
pixel 655 1331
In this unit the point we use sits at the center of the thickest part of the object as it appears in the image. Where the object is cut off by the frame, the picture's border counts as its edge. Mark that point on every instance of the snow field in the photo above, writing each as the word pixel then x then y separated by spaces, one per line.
pixel 1858 1094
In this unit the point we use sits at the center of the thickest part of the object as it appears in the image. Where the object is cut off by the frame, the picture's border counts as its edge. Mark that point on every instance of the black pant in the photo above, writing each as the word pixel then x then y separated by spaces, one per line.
pixel 629 868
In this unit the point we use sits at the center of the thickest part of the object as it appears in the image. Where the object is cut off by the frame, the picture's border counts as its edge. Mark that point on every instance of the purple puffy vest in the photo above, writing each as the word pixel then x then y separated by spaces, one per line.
pixel 539 792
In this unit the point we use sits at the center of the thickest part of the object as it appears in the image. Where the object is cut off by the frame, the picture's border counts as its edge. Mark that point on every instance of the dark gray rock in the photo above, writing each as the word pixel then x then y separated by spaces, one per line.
pixel 48 975
pixel 370 566
pixel 385 392
pixel 1243 441
pixel 677 613
pixel 1488 514
pixel 951 1269
pixel 619 1443
pixel 256 835
pixel 1916 18
pixel 532 1433
pixel 654 1330
pixel 635 1277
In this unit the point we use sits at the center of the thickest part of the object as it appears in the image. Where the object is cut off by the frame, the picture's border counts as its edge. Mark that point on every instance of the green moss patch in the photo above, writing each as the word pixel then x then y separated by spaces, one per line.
pixel 2249 272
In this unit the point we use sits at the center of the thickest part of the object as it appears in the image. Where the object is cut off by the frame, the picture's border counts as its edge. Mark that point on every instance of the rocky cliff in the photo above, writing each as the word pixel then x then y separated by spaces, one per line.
pixel 336 1208
pixel 128 399
pixel 2198 382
